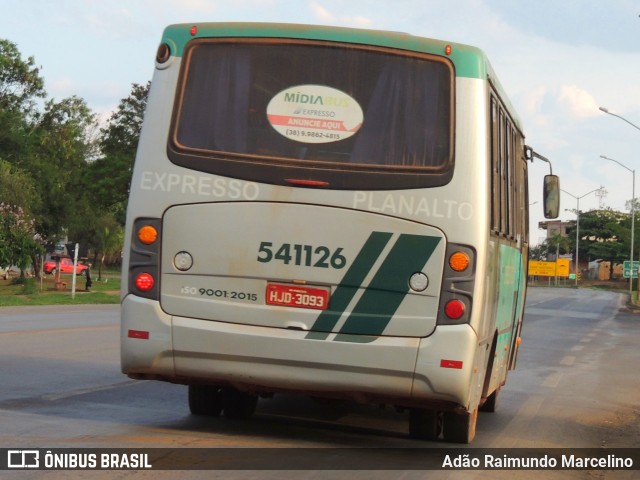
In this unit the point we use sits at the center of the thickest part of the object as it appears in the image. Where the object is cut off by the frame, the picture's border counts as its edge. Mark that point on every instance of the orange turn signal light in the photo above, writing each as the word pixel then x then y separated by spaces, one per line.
pixel 459 261
pixel 147 234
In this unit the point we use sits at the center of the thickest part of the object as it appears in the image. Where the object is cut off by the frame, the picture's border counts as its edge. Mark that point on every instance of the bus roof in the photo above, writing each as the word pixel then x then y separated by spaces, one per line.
pixel 469 61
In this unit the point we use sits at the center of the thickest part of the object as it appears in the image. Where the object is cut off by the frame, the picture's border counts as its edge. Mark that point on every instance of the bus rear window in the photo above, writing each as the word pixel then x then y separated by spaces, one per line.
pixel 345 115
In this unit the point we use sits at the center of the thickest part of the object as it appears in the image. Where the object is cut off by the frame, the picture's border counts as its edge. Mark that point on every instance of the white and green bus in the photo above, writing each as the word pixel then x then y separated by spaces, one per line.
pixel 334 212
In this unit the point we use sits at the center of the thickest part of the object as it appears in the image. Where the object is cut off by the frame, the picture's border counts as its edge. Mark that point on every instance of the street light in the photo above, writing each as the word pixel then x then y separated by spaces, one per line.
pixel 578 224
pixel 606 110
pixel 633 216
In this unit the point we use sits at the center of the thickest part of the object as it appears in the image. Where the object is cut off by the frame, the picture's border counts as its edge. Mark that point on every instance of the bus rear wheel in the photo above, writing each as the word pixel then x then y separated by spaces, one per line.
pixel 491 404
pixel 205 400
pixel 425 424
pixel 460 427
pixel 237 404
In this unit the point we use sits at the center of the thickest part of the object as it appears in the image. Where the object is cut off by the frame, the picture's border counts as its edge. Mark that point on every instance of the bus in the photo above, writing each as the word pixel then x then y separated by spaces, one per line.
pixel 334 212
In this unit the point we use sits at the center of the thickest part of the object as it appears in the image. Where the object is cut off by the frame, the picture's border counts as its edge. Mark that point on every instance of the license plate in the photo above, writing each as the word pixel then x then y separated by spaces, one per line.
pixel 297 296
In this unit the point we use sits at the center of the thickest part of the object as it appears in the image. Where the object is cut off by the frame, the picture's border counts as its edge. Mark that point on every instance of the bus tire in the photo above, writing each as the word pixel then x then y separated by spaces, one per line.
pixel 491 403
pixel 237 404
pixel 425 424
pixel 205 400
pixel 460 427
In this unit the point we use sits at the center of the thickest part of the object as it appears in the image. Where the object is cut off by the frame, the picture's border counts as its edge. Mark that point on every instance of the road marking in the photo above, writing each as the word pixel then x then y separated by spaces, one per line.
pixel 553 380
pixel 83 391
pixel 568 360
pixel 560 313
pixel 527 414
pixel 577 348
pixel 59 330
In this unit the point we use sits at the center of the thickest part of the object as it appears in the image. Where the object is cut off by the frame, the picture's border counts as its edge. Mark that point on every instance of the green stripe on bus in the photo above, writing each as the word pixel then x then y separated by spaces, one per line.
pixel 469 61
pixel 349 285
pixel 341 337
pixel 390 286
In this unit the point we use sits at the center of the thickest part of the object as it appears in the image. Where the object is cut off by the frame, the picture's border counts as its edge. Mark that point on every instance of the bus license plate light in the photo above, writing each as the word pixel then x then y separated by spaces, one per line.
pixel 297 296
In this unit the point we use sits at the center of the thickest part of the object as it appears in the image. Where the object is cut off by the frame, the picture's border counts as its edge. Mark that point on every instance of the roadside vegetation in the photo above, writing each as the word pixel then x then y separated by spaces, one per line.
pixel 18 291
pixel 64 171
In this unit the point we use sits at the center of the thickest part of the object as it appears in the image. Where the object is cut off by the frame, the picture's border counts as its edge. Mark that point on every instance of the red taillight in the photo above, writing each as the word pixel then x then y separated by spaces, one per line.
pixel 454 309
pixel 194 30
pixel 144 282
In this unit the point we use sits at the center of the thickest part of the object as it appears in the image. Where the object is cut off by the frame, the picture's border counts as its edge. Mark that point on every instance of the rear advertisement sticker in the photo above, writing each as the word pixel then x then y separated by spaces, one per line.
pixel 314 114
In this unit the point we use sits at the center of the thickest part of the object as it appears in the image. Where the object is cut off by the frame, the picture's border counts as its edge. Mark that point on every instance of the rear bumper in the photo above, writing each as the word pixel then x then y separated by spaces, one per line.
pixel 398 370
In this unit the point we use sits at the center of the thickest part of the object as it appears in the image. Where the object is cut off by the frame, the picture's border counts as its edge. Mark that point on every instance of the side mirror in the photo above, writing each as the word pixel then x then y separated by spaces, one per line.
pixel 551 196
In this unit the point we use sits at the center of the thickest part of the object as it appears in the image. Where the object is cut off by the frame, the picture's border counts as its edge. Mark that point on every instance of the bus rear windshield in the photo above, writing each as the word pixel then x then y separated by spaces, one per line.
pixel 347 115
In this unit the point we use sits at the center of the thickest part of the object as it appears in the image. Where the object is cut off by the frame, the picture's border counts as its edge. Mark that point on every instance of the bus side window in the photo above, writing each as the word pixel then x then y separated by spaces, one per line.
pixel 495 167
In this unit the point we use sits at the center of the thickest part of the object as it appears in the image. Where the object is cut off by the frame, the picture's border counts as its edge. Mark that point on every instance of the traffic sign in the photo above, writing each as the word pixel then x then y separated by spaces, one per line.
pixel 542 269
pixel 562 267
pixel 628 271
pixel 559 268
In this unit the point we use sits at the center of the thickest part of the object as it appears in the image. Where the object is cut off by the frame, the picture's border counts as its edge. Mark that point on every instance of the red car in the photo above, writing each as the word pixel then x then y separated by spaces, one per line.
pixel 66 266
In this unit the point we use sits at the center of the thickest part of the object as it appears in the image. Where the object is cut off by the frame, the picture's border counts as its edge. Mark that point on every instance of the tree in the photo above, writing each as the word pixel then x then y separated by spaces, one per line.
pixel 109 238
pixel 20 87
pixel 539 252
pixel 604 234
pixel 557 244
pixel 20 80
pixel 58 163
pixel 99 232
pixel 109 177
pixel 17 188
pixel 67 181
pixel 18 239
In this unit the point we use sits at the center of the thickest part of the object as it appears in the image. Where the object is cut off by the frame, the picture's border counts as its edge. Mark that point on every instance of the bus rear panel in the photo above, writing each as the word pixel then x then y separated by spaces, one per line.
pixel 310 213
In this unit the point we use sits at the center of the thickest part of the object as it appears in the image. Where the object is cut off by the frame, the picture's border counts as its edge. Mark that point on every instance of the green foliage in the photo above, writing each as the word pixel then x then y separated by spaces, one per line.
pixel 20 87
pixel 20 81
pixel 18 239
pixel 539 252
pixel 557 244
pixel 604 234
pixel 57 163
pixel 109 177
pixel 16 187
pixel 69 178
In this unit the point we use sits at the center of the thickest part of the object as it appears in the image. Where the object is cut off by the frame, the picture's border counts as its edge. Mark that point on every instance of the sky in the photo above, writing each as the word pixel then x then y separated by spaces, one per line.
pixel 558 60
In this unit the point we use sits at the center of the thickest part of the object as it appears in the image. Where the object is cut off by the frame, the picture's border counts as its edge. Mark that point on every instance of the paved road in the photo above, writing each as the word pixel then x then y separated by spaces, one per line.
pixel 576 385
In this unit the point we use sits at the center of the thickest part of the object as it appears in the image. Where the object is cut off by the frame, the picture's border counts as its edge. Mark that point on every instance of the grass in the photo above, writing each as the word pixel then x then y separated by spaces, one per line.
pixel 31 292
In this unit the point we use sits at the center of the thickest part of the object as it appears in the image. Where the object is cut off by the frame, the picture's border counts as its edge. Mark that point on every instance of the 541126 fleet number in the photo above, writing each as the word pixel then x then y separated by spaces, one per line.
pixel 301 255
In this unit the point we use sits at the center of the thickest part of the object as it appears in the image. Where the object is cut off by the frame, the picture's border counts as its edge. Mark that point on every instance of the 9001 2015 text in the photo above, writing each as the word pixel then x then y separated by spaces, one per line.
pixel 219 293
